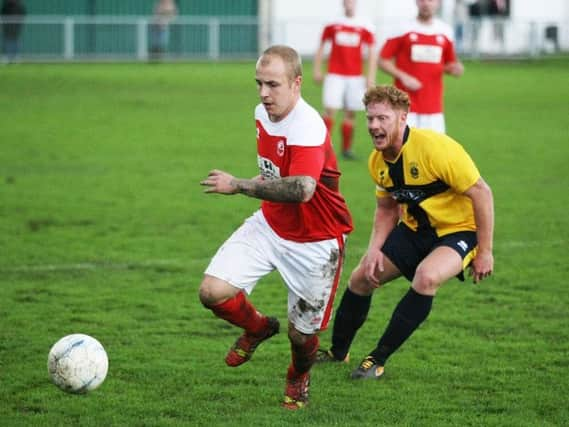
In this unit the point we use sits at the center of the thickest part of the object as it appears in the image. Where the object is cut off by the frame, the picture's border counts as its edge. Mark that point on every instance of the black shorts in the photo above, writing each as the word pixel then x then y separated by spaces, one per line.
pixel 407 248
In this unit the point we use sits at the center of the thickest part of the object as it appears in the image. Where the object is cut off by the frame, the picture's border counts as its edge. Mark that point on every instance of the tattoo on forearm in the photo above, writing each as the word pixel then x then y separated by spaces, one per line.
pixel 293 189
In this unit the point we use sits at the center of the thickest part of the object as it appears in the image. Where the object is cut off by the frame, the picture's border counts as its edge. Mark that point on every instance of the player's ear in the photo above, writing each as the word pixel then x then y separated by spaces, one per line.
pixel 297 81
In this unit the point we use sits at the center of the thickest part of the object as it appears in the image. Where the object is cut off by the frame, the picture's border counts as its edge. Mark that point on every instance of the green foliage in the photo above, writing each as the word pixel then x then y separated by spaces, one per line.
pixel 104 230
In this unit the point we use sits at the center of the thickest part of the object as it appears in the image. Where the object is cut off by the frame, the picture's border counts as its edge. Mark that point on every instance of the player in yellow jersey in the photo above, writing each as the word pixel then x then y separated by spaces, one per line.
pixel 434 217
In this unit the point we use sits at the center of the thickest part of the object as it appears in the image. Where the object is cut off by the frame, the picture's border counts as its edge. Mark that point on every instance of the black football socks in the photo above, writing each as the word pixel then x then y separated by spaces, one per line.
pixel 350 316
pixel 411 311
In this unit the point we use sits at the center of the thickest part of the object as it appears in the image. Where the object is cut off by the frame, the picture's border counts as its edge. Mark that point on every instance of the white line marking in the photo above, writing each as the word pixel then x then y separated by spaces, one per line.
pixel 85 266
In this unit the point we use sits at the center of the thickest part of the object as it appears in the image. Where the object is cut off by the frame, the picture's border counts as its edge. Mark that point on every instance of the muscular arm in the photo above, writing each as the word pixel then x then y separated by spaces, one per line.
pixel 386 217
pixel 483 205
pixel 388 66
pixel 290 189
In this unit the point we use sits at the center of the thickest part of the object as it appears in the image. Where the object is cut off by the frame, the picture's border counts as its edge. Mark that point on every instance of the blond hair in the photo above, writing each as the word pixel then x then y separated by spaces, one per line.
pixel 289 56
pixel 396 98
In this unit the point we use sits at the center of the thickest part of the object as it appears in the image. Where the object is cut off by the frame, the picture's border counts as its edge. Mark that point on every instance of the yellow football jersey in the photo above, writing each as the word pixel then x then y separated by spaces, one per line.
pixel 428 179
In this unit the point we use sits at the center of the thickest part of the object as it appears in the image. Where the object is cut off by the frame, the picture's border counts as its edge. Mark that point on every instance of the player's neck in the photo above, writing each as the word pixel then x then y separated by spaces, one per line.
pixel 390 154
pixel 426 20
pixel 284 114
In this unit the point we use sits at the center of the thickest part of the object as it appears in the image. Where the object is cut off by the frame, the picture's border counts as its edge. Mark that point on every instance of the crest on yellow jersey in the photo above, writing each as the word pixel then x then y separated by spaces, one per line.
pixel 414 170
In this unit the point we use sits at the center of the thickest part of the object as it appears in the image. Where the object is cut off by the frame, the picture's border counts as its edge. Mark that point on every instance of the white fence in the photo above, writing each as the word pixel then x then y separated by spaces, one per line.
pixel 69 38
pixel 77 38
pixel 486 37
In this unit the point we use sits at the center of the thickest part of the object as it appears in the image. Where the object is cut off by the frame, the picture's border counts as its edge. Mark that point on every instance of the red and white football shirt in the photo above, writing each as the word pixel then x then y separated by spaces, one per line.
pixel 299 144
pixel 348 36
pixel 422 50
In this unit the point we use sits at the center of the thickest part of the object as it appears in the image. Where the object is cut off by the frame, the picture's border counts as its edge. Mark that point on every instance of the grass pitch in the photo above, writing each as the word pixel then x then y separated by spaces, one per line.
pixel 104 230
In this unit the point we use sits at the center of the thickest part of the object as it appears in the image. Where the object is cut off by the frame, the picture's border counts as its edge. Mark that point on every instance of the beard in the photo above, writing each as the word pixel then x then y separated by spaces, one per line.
pixel 394 136
pixel 396 133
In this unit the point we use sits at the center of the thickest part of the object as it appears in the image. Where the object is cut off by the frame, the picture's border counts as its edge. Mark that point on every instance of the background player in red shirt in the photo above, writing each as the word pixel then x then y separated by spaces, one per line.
pixel 344 85
pixel 300 229
pixel 417 55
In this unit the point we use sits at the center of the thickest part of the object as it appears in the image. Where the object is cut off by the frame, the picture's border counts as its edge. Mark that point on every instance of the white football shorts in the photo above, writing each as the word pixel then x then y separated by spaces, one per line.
pixel 343 92
pixel 311 271
pixel 434 122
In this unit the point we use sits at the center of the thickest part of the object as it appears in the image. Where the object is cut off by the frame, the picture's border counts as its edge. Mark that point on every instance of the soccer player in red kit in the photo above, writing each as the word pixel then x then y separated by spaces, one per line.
pixel 417 55
pixel 300 229
pixel 344 84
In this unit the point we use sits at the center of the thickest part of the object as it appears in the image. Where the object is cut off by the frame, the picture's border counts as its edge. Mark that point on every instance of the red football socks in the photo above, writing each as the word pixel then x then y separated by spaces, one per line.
pixel 329 123
pixel 303 356
pixel 240 312
pixel 347 135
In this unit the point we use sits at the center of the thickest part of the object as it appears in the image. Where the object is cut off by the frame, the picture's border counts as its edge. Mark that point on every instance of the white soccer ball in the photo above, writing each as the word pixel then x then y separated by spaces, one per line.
pixel 77 363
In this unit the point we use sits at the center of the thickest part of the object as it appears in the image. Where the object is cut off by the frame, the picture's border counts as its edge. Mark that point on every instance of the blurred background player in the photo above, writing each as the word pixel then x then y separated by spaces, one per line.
pixel 164 12
pixel 14 12
pixel 344 84
pixel 417 55
pixel 299 231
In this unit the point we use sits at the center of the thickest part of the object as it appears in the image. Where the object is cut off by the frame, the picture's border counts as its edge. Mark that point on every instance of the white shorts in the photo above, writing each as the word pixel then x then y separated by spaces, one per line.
pixel 434 122
pixel 311 271
pixel 341 92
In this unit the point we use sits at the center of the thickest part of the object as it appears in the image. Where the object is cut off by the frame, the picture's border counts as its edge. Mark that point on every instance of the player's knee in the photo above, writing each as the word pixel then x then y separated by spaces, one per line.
pixel 206 295
pixel 210 293
pixel 426 281
pixel 359 284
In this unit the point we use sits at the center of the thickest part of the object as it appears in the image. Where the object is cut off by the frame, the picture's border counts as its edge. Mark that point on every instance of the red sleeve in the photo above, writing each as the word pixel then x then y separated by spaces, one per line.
pixel 328 33
pixel 368 37
pixel 450 53
pixel 307 161
pixel 390 48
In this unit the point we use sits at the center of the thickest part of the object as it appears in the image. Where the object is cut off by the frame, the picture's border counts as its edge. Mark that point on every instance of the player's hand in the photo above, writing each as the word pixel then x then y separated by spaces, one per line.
pixel 220 182
pixel 373 267
pixel 454 69
pixel 410 82
pixel 481 266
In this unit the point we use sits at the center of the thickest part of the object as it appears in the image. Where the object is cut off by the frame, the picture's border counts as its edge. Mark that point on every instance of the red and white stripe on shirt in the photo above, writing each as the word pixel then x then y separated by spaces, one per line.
pixel 298 145
pixel 422 50
pixel 348 36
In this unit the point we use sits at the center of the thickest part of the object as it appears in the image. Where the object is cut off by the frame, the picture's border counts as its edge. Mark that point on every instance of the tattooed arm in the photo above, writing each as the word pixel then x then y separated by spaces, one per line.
pixel 293 189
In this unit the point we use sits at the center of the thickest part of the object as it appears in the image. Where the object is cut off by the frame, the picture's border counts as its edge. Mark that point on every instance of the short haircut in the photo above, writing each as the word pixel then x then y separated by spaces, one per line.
pixel 289 56
pixel 398 99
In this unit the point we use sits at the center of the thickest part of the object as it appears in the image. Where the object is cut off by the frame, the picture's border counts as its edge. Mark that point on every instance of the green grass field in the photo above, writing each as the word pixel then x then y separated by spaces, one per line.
pixel 105 230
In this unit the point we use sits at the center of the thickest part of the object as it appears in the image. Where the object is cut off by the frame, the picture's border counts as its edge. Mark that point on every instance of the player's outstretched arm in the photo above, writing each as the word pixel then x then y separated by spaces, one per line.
pixel 290 189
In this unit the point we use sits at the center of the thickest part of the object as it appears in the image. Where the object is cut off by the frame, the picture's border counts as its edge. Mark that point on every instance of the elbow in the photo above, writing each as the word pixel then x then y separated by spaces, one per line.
pixel 485 188
pixel 480 190
pixel 308 188
pixel 385 64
